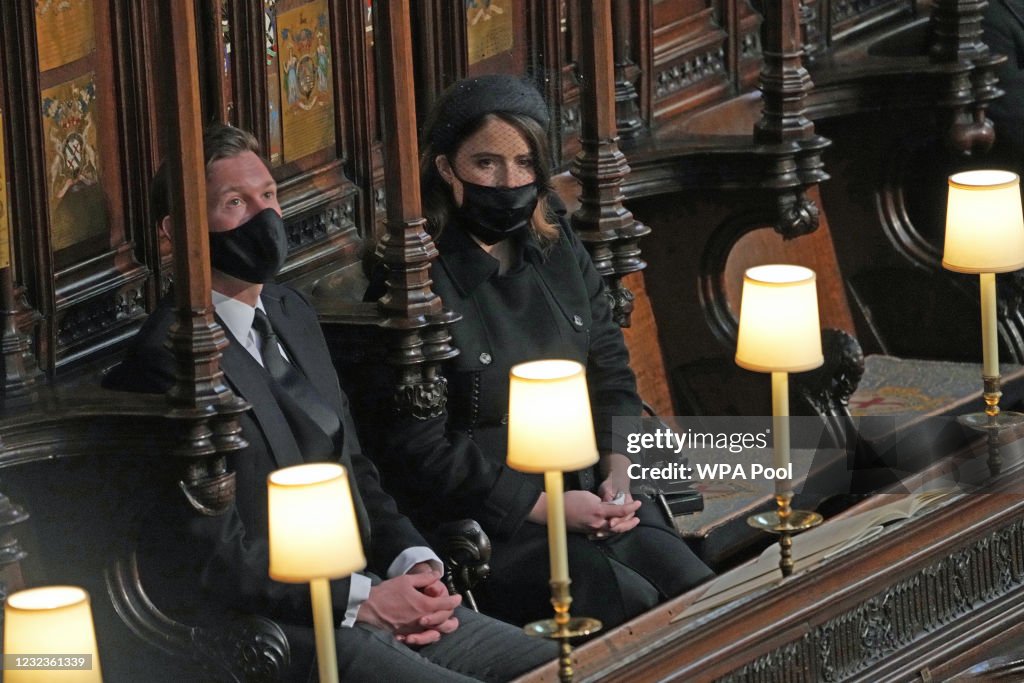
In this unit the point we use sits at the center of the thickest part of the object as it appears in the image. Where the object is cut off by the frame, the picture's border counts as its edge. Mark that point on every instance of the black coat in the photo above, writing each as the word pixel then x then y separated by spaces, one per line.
pixel 551 305
pixel 229 553
pixel 1003 25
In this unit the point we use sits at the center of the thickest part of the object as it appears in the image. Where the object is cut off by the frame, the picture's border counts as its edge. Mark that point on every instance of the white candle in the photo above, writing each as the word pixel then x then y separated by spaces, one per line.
pixel 556 527
pixel 989 336
pixel 323 629
pixel 780 425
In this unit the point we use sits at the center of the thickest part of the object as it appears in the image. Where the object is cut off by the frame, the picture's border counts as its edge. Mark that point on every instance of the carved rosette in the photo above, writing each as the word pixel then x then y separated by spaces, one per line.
pixel 253 648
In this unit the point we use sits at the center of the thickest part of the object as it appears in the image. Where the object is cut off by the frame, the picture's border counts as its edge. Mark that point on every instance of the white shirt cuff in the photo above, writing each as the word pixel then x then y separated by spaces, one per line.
pixel 358 593
pixel 413 556
pixel 359 585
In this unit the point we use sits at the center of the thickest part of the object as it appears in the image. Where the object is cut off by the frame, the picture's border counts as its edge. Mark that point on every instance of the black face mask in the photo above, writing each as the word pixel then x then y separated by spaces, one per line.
pixel 254 251
pixel 495 213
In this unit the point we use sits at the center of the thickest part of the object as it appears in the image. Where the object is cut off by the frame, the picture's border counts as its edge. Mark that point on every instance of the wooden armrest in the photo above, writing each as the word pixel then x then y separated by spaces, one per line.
pixel 466 551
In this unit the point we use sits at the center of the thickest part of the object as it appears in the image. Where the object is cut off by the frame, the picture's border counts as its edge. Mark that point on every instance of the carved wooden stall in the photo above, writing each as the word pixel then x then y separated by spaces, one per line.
pixel 701 134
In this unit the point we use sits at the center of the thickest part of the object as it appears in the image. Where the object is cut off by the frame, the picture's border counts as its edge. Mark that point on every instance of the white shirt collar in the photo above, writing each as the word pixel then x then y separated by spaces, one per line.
pixel 237 316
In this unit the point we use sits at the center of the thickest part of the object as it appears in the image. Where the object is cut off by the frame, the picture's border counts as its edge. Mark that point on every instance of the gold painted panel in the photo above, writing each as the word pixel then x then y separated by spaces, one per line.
pixel 274 150
pixel 65 31
pixel 306 64
pixel 489 29
pixel 76 202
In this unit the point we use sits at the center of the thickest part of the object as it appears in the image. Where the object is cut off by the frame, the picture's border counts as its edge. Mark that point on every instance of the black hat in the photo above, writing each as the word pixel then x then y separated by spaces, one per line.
pixel 469 99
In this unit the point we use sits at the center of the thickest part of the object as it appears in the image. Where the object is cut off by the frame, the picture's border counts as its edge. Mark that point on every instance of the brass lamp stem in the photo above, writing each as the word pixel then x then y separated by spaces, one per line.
pixel 992 394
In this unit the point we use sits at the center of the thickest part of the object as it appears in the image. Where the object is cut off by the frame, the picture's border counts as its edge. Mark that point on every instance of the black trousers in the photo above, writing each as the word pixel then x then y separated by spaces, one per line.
pixel 612 580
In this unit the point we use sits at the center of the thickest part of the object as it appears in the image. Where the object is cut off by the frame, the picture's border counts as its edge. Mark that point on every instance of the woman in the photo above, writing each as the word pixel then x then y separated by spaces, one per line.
pixel 526 290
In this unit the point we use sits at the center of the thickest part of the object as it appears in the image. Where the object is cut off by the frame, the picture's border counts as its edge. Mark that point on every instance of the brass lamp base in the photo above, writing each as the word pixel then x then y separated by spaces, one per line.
pixel 563 628
pixel 799 520
pixel 550 628
pixel 786 522
pixel 992 422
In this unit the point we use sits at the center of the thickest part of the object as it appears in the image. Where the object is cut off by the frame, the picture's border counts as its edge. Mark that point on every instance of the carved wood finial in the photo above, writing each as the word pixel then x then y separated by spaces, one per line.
pixel 784 128
pixel 200 395
pixel 956 41
pixel 418 324
pixel 605 225
pixel 628 122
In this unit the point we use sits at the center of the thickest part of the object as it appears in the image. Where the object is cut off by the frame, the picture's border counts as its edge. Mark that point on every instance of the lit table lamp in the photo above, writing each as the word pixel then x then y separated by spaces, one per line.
pixel 314 537
pixel 985 235
pixel 779 333
pixel 49 636
pixel 550 430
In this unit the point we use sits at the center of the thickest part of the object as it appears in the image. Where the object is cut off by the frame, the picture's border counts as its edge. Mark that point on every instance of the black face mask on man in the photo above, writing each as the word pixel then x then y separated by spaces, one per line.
pixel 254 251
pixel 495 213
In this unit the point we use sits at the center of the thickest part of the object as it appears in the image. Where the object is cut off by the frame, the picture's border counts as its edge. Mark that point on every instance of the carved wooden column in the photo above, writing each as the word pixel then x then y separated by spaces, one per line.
pixel 956 40
pixel 20 370
pixel 784 129
pixel 420 339
pixel 607 228
pixel 627 102
pixel 200 395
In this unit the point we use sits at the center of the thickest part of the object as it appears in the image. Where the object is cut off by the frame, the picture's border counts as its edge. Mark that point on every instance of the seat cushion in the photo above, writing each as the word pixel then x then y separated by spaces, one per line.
pixel 908 386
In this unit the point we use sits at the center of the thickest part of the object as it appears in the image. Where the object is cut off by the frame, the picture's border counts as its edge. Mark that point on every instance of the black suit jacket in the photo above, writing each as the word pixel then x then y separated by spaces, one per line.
pixel 228 554
pixel 1003 25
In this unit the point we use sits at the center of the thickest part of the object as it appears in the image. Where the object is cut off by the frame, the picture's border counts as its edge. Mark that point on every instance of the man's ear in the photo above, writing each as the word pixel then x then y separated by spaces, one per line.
pixel 444 168
pixel 165 228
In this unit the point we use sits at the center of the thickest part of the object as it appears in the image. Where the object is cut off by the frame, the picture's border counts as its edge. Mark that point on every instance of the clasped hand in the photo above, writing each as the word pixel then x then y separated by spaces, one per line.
pixel 588 514
pixel 415 607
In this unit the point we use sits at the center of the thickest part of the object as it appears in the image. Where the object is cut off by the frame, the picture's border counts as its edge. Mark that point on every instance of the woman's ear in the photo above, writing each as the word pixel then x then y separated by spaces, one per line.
pixel 165 228
pixel 444 168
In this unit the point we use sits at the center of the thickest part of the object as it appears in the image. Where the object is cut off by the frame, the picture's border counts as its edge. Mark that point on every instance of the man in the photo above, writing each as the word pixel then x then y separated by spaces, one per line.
pixel 1003 31
pixel 278 361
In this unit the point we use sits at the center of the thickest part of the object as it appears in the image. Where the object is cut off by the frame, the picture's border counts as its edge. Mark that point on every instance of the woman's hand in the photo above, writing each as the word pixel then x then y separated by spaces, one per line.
pixel 585 513
pixel 615 487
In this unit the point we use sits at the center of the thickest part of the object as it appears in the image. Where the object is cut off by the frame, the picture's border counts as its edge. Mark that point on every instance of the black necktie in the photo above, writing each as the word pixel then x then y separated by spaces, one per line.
pixel 270 349
pixel 293 382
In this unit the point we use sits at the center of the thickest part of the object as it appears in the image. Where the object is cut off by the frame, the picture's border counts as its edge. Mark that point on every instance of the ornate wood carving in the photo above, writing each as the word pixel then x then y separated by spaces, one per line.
pixel 99 314
pixel 849 17
pixel 607 228
pixel 688 65
pixel 981 573
pixel 196 339
pixel 20 371
pixel 420 339
pixel 237 648
pixel 785 84
pixel 627 101
pixel 11 552
pixel 933 595
pixel 956 42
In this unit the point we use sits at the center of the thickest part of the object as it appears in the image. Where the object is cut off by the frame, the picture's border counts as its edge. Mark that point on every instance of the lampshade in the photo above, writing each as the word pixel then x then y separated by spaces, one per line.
pixel 549 423
pixel 779 329
pixel 51 620
pixel 984 227
pixel 313 528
